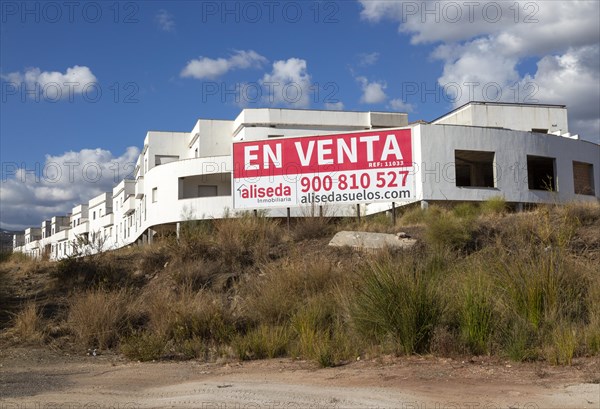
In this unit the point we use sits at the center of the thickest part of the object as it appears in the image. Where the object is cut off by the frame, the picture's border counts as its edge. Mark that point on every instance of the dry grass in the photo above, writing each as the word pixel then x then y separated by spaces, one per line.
pixel 483 281
pixel 28 325
pixel 98 317
pixel 283 287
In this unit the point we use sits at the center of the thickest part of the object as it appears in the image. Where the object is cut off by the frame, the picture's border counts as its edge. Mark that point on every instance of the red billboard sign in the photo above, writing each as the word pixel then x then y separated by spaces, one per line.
pixel 342 168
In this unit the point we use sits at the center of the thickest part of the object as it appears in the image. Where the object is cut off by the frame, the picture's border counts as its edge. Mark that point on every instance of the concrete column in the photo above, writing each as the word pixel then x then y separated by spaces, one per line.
pixel 178 229
pixel 424 205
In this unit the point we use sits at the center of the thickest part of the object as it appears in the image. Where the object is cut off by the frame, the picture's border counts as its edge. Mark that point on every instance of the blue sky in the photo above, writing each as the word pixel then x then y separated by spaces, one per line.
pixel 161 65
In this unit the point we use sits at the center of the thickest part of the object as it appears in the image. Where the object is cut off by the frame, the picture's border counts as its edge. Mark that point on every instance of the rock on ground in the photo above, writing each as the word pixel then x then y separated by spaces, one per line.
pixel 371 241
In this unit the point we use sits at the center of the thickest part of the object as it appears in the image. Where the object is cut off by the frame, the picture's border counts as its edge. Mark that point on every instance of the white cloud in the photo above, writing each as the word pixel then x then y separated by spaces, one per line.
pixel 209 68
pixel 529 24
pixel 334 106
pixel 365 59
pixel 63 182
pixel 400 106
pixel 288 83
pixel 484 43
pixel 572 78
pixel 373 92
pixel 165 20
pixel 53 85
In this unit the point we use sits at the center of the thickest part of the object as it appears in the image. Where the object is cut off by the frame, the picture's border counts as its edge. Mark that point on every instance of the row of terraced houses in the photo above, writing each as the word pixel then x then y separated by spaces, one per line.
pixel 522 152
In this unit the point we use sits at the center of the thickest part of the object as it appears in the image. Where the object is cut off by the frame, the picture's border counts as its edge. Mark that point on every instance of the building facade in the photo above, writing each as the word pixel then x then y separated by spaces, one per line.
pixel 521 152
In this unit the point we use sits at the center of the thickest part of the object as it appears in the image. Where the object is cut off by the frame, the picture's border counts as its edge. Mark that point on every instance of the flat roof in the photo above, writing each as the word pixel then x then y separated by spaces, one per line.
pixel 516 104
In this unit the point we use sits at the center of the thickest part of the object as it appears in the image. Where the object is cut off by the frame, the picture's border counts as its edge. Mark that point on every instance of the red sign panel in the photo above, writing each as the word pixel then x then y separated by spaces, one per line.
pixel 359 167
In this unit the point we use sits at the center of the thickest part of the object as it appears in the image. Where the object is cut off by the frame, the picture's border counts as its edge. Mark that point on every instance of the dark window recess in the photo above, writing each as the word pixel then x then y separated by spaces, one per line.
pixel 474 168
pixel 583 178
pixel 207 191
pixel 540 173
pixel 275 136
pixel 539 130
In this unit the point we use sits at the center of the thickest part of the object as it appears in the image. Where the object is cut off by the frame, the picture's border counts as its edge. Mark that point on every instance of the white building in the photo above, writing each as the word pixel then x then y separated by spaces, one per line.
pixel 521 152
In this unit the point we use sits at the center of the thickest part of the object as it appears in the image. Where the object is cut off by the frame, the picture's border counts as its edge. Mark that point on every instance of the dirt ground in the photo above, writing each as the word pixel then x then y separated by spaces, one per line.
pixel 36 378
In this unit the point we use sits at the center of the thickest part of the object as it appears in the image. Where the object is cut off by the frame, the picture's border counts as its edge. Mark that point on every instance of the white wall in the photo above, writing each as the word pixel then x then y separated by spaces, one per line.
pixel 517 117
pixel 165 143
pixel 211 138
pixel 438 143
pixel 169 208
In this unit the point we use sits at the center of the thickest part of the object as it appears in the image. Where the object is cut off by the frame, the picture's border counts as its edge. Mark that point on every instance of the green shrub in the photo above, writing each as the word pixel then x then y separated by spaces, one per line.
pixel 413 215
pixel 262 342
pixel 466 210
pixel 143 346
pixel 107 270
pixel 494 205
pixel 444 230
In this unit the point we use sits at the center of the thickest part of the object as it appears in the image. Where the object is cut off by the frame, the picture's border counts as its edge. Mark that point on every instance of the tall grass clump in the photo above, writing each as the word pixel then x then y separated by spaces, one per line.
pixel 476 312
pixel 591 334
pixel 27 324
pixel 541 290
pixel 178 322
pixel 320 332
pixel 98 317
pixel 397 302
pixel 540 285
pixel 563 343
pixel 262 342
pixel 284 286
